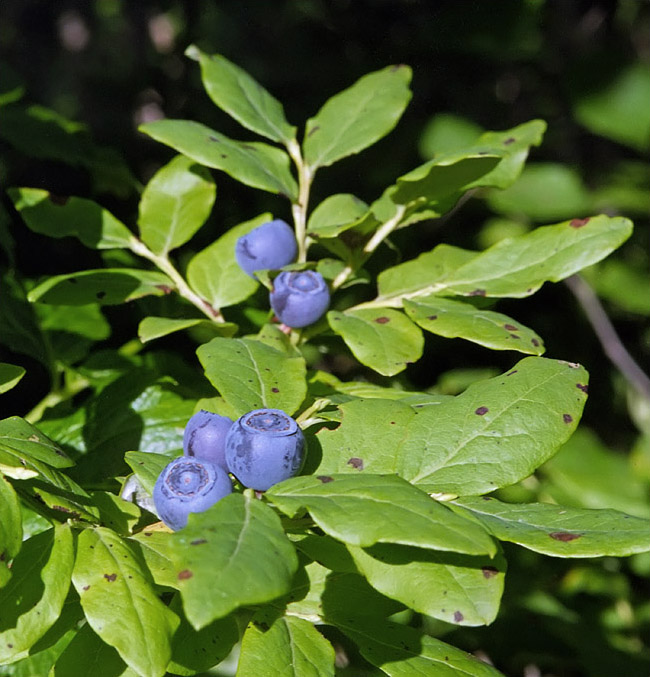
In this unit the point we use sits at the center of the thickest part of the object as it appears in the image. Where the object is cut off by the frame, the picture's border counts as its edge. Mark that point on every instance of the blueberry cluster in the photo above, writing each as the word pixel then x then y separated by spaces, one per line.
pixel 260 449
pixel 298 298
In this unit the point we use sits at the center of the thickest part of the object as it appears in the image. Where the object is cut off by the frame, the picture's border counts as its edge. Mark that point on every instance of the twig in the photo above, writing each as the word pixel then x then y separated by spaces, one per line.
pixel 609 339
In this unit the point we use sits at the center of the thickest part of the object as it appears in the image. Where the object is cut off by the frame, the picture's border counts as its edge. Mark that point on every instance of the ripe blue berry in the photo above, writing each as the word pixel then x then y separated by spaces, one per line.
pixel 205 437
pixel 264 447
pixel 299 298
pixel 188 485
pixel 269 246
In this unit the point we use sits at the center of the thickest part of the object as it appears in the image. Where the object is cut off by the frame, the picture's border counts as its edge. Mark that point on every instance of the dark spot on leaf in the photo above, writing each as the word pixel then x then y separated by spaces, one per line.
pixel 249 147
pixel 578 223
pixel 58 199
pixel 356 463
pixel 432 317
pixel 164 288
pixel 100 295
pixel 393 422
pixel 86 587
pixel 564 536
pixel 72 280
pixel 198 541
pixel 312 130
pixel 510 327
pixel 489 572
pixel 275 390
pixel 567 418
pixel 482 152
pixel 481 411
pixel 147 533
pixel 458 617
pixel 510 373
pixel 477 292
pixel 325 478
pixel 213 138
pixel 509 140
pixel 11 646
pixel 110 577
pixel 224 156
pixel 583 387
pixel 184 575
pixel 515 336
pixel 382 320
pixel 535 342
pixel 486 498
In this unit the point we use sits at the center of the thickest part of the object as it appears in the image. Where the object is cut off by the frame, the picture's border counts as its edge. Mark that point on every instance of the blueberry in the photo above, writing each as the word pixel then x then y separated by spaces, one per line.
pixel 205 437
pixel 264 447
pixel 299 298
pixel 188 485
pixel 269 246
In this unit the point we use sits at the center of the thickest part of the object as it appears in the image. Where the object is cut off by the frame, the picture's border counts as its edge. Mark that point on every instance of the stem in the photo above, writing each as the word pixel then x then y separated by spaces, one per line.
pixel 299 208
pixel 164 264
pixel 609 339
pixel 60 394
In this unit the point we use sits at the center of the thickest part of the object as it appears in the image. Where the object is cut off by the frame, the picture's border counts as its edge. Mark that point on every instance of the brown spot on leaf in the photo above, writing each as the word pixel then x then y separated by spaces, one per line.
pixel 110 577
pixel 481 411
pixel 477 292
pixel 510 327
pixel 567 418
pixel 578 223
pixel 275 390
pixel 509 140
pixel 583 387
pixel 432 317
pixel 198 541
pixel 515 336
pixel 489 572
pixel 356 463
pixel 564 536
pixel 325 478
pixel 213 138
pixel 184 575
pixel 164 288
pixel 382 320
pixel 535 342
pixel 510 373
pixel 458 617
pixel 313 129
pixel 59 199
pixel 86 587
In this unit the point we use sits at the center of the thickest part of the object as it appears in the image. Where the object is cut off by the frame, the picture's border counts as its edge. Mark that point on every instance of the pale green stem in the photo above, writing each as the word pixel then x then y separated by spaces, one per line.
pixel 299 208
pixel 166 266
pixel 306 418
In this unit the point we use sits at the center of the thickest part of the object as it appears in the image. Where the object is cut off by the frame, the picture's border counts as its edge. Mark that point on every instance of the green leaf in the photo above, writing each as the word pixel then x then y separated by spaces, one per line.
pixel 560 531
pixel 459 589
pixel 11 528
pixel 20 438
pixel 289 646
pixel 401 651
pixel 252 375
pixel 156 327
pixel 453 319
pixel 155 547
pixel 10 375
pixel 365 509
pixel 175 204
pixel 115 512
pixel 50 215
pixel 358 116
pixel 494 434
pixel 196 651
pixel 529 196
pixel 120 603
pixel 108 286
pixel 234 554
pixel 242 97
pixel 214 273
pixel 33 599
pixel 384 340
pixel 147 466
pixel 514 267
pixel 254 164
pixel 335 214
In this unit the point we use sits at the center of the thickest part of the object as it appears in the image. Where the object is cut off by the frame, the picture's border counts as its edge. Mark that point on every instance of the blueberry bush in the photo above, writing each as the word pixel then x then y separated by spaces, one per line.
pixel 398 526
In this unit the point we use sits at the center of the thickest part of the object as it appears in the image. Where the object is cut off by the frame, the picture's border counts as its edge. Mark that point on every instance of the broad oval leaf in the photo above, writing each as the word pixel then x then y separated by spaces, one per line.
pixel 455 319
pixel 242 97
pixel 55 216
pixel 120 603
pixel 364 509
pixel 151 328
pixel 384 340
pixel 251 375
pixel 32 600
pixel 358 116
pixel 10 375
pixel 175 204
pixel 289 646
pixel 400 651
pixel 214 273
pixel 458 589
pixel 560 531
pixel 232 555
pixel 335 214
pixel 254 164
pixel 20 438
pixel 108 286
